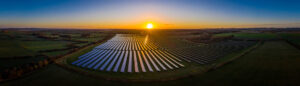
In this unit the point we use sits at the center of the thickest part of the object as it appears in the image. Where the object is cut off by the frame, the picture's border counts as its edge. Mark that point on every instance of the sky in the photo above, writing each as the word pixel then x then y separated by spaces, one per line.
pixel 135 14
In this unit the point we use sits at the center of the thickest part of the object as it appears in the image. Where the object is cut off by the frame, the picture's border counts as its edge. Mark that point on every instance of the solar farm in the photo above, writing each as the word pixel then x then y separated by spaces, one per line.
pixel 163 57
pixel 129 53
pixel 134 53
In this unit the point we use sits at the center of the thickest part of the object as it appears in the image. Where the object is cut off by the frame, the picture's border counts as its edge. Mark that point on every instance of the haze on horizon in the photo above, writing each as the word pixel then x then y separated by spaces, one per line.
pixel 135 14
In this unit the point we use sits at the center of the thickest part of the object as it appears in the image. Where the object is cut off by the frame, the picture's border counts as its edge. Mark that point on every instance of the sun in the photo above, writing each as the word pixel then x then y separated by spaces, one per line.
pixel 149 26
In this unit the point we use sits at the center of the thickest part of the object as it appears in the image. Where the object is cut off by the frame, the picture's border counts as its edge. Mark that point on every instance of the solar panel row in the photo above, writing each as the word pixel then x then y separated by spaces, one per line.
pixel 129 53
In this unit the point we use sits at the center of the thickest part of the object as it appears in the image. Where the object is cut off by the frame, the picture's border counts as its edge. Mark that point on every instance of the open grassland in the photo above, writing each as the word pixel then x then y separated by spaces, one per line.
pixel 252 36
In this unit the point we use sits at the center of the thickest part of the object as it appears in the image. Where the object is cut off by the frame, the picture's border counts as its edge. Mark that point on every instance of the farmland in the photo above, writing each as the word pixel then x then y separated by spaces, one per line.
pixel 250 36
pixel 293 37
pixel 136 59
pixel 9 48
pixel 24 47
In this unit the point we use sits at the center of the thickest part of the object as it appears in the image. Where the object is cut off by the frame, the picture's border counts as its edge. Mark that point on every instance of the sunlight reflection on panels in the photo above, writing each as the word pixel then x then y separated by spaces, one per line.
pixel 129 53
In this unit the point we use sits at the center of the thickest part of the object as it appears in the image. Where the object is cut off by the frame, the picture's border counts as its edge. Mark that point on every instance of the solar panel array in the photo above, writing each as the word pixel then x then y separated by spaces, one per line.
pixel 209 53
pixel 129 53
pixel 142 53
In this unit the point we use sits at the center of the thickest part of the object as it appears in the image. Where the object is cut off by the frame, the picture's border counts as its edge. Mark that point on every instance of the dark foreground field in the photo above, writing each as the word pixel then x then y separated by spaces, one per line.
pixel 275 62
pixel 272 64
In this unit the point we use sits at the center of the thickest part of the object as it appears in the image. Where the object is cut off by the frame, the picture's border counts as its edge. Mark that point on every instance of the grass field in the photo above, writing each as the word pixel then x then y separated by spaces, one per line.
pixel 256 36
pixel 293 37
pixel 56 53
pixel 44 45
pixel 18 43
pixel 10 48
pixel 260 67
pixel 89 39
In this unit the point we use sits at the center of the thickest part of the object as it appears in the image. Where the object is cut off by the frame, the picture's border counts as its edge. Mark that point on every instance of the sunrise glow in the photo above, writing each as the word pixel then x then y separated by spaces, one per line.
pixel 149 26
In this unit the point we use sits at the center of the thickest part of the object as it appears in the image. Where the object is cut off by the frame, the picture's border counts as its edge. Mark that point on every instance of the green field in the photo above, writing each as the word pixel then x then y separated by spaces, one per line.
pixel 18 43
pixel 11 48
pixel 255 36
pixel 89 39
pixel 44 45
pixel 293 37
pixel 56 53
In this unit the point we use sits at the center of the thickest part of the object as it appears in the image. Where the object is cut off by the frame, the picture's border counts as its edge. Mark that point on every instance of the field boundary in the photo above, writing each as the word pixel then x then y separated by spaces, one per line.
pixel 292 44
pixel 40 65
pixel 63 59
pixel 216 66
pixel 289 42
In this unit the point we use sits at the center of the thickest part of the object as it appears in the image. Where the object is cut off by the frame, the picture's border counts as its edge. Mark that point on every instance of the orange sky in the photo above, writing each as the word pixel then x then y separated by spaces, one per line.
pixel 135 14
